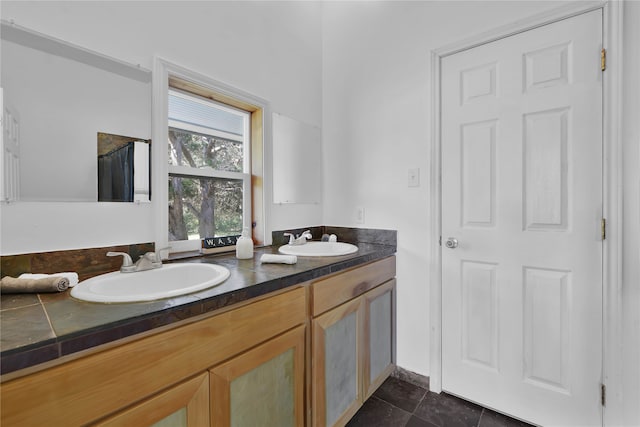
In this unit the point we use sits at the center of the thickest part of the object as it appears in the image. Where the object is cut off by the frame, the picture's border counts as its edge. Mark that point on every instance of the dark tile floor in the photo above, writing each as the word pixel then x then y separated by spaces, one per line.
pixel 400 404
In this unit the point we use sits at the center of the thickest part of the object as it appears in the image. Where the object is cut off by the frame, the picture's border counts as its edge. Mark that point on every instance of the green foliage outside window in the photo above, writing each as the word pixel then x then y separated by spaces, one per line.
pixel 204 207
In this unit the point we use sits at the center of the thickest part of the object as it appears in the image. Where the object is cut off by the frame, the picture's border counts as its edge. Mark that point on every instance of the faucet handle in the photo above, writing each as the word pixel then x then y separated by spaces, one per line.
pixel 158 254
pixel 151 256
pixel 126 258
pixel 127 262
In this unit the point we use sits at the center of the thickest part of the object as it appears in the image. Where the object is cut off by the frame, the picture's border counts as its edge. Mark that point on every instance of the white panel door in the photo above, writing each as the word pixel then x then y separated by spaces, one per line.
pixel 522 198
pixel 10 153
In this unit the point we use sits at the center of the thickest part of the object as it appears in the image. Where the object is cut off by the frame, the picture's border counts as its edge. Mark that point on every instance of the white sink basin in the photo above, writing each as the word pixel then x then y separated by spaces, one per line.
pixel 170 280
pixel 319 249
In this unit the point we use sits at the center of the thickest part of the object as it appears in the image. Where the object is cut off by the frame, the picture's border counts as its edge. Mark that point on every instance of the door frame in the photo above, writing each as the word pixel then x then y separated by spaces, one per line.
pixel 612 12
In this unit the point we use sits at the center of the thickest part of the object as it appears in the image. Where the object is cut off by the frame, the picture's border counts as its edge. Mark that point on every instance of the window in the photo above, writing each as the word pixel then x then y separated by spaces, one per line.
pixel 209 177
pixel 209 167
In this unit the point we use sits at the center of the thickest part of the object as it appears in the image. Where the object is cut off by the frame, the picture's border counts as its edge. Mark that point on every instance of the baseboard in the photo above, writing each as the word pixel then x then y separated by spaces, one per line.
pixel 410 377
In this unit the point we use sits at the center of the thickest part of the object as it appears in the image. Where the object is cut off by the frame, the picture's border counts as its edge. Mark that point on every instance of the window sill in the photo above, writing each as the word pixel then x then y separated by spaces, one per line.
pixel 196 254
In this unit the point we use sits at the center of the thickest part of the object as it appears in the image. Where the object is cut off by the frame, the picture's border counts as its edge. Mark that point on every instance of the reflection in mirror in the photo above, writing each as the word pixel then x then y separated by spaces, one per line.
pixel 63 96
pixel 123 168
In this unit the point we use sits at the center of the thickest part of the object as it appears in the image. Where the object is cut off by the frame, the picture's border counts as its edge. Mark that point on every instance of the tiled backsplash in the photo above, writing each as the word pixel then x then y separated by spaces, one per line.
pixel 86 262
pixel 93 261
pixel 345 234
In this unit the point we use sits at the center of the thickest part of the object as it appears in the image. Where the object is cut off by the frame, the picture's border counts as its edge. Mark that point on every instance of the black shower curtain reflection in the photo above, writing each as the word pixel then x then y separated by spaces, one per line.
pixel 115 175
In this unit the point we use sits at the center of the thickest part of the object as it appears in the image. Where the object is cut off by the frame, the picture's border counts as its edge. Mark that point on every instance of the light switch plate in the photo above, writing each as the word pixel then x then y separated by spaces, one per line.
pixel 359 215
pixel 414 177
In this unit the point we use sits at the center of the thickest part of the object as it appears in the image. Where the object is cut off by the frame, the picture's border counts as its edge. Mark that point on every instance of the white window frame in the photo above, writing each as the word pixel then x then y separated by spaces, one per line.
pixel 163 70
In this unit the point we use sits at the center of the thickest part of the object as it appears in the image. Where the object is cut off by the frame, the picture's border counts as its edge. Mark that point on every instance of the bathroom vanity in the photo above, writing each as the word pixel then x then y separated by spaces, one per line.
pixel 306 346
pixel 352 351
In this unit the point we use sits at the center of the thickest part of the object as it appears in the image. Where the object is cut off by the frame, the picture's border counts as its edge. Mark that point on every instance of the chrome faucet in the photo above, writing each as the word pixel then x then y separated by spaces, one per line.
pixel 148 261
pixel 299 240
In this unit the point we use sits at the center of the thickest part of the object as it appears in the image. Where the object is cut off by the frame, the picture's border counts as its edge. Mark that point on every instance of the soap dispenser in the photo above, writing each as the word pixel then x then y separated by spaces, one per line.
pixel 244 245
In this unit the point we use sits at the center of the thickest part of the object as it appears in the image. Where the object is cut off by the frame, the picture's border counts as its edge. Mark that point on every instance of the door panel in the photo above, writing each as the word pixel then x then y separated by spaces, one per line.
pixel 337 364
pixel 545 179
pixel 479 310
pixel 378 336
pixel 522 195
pixel 478 174
pixel 183 405
pixel 546 328
pixel 263 386
pixel 9 152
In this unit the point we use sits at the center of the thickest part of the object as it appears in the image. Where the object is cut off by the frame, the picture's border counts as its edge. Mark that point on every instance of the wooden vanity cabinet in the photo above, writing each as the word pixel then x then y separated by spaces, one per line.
pixel 257 363
pixel 164 377
pixel 352 339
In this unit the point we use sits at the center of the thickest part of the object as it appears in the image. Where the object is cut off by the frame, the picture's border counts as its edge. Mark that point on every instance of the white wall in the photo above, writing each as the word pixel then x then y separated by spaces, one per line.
pixel 377 125
pixel 269 49
pixel 376 61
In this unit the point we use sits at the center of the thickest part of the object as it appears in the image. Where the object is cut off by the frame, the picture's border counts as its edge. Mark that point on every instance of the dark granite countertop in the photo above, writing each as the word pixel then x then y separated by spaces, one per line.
pixel 38 328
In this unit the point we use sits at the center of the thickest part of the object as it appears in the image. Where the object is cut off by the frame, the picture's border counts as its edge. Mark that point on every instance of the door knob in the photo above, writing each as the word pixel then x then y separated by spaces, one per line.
pixel 451 243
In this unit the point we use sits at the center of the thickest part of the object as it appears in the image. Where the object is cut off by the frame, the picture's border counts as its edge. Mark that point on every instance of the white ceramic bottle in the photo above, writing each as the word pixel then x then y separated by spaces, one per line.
pixel 244 245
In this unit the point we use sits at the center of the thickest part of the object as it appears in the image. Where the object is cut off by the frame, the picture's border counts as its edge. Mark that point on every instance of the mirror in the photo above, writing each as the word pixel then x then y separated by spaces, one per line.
pixel 297 161
pixel 61 96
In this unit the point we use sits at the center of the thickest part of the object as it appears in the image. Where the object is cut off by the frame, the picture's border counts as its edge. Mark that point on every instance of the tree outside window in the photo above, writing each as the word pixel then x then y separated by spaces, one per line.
pixel 208 168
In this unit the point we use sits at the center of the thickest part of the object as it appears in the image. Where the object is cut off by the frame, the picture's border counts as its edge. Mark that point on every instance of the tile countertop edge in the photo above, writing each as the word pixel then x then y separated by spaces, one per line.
pixel 47 351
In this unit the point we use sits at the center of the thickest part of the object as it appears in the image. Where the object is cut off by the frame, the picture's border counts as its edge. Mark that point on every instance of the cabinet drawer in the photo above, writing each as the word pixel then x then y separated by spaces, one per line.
pixel 342 287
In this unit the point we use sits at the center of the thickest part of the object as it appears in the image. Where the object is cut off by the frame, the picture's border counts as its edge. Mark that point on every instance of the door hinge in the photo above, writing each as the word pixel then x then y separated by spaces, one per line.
pixel 440 241
pixel 603 228
pixel 603 59
pixel 603 394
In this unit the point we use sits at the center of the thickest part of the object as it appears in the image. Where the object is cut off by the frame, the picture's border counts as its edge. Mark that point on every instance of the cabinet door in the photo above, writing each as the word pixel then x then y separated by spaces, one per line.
pixel 337 364
pixel 184 405
pixel 379 336
pixel 263 386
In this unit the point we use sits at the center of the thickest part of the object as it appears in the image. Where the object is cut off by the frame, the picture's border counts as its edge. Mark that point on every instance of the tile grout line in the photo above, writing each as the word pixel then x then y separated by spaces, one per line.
pixel 413 414
pixel 394 406
pixel 22 306
pixel 483 410
pixel 480 418
pixel 46 314
pixel 390 404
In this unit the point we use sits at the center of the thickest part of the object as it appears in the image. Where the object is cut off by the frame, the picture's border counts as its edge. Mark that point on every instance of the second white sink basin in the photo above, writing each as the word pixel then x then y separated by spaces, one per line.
pixel 319 249
pixel 170 280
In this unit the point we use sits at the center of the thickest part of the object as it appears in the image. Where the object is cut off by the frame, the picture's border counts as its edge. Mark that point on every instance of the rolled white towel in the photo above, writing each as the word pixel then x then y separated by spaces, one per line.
pixel 11 285
pixel 71 276
pixel 278 259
